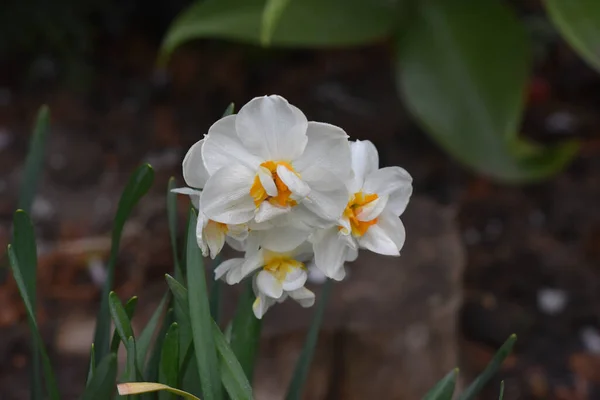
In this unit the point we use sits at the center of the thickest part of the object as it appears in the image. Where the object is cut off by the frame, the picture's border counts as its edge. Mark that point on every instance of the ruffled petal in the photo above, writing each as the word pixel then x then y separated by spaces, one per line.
pixel 378 241
pixel 365 160
pixel 294 279
pixel 194 171
pixel 223 148
pixel 254 260
pixel 261 305
pixel 200 224
pixel 283 238
pixel 303 296
pixel 226 196
pixel 272 128
pixel 214 238
pixel 193 193
pixel 294 183
pixel 328 194
pixel 393 227
pixel 372 209
pixel 394 182
pixel 330 251
pixel 267 182
pixel 267 211
pixel 327 148
pixel 269 285
pixel 226 266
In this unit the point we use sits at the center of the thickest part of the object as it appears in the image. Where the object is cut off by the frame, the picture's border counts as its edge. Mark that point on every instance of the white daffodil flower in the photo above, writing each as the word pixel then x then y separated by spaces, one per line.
pixel 268 163
pixel 371 218
pixel 281 275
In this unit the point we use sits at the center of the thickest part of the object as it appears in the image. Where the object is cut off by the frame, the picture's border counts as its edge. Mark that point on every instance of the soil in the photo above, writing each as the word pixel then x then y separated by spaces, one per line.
pixel 533 251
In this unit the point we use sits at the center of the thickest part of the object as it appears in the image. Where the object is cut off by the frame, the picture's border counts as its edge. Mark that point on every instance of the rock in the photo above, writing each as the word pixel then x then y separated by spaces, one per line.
pixel 390 329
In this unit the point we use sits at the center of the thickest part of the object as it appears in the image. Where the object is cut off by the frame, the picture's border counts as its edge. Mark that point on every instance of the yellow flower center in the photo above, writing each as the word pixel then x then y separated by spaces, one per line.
pixel 354 207
pixel 259 194
pixel 279 265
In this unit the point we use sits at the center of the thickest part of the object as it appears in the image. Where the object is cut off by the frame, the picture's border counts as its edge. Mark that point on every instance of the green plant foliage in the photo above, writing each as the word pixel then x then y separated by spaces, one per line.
pixel 303 365
pixel 462 69
pixel 270 17
pixel 444 389
pixel 172 217
pixel 169 362
pixel 148 387
pixel 102 384
pixel 129 311
pixel 92 367
pixel 579 23
pixel 201 321
pixel 474 388
pixel 131 374
pixel 138 185
pixel 305 23
pixel 51 386
pixel 501 396
pixel 245 331
pixel 145 339
pixel 35 159
pixel 120 318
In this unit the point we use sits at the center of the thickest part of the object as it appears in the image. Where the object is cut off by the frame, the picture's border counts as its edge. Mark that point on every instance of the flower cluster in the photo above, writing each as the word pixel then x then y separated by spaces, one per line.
pixel 286 192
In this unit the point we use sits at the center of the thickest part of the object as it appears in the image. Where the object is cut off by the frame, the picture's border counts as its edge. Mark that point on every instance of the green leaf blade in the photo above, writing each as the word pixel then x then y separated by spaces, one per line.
pixel 444 389
pixel 169 363
pixel 579 23
pixel 473 390
pixel 303 364
pixel 129 311
pixel 120 318
pixel 138 185
pixel 172 218
pixel 102 385
pixel 35 159
pixel 467 90
pixel 201 321
pixel 144 340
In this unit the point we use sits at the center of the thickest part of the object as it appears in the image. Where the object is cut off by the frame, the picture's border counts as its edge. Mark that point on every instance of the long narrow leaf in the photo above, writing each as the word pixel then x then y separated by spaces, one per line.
pixel 120 318
pixel 102 385
pixel 473 390
pixel 172 217
pixel 147 387
pixel 501 391
pixel 444 389
pixel 138 185
pixel 245 331
pixel 216 289
pixel 305 359
pixel 144 340
pixel 152 367
pixel 270 17
pixel 131 374
pixel 92 367
pixel 129 311
pixel 26 252
pixel 51 385
pixel 35 159
pixel 201 321
pixel 233 375
pixel 169 361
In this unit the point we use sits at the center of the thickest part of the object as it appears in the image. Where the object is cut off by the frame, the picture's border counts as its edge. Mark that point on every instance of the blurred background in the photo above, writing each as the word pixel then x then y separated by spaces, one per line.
pixel 483 258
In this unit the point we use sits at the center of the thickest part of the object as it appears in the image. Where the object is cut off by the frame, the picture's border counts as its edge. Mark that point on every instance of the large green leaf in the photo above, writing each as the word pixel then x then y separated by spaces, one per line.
pixel 35 159
pixel 303 23
pixel 201 321
pixel 102 384
pixel 152 366
pixel 145 339
pixel 444 389
pixel 463 66
pixel 303 364
pixel 138 185
pixel 579 23
pixel 245 331
pixel 270 18
pixel 169 362
pixel 26 252
pixel 473 390
pixel 51 386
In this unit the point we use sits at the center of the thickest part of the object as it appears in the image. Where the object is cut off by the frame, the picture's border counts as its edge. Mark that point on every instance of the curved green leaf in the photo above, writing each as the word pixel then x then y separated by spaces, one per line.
pixel 201 321
pixel 51 386
pixel 462 69
pixel 245 331
pixel 302 23
pixel 444 389
pixel 139 183
pixel 579 23
pixel 169 361
pixel 144 340
pixel 120 318
pixel 473 390
pixel 129 311
pixel 102 384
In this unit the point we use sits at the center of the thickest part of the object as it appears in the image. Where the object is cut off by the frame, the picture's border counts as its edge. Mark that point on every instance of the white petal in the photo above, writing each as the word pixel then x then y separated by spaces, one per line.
pixel 261 305
pixel 238 232
pixel 284 238
pixel 237 245
pixel 214 238
pixel 377 240
pixel 301 217
pixel 226 196
pixel 304 252
pixel 269 285
pixel 194 171
pixel 372 209
pixel 327 148
pixel 352 254
pixel 253 261
pixel 222 147
pixel 266 180
pixel 272 128
pixel 226 266
pixel 328 194
pixel 393 227
pixel 296 185
pixel 365 160
pixel 303 296
pixel 200 224
pixel 267 211
pixel 330 251
pixel 294 279
pixel 193 193
pixel 339 274
pixel 392 181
